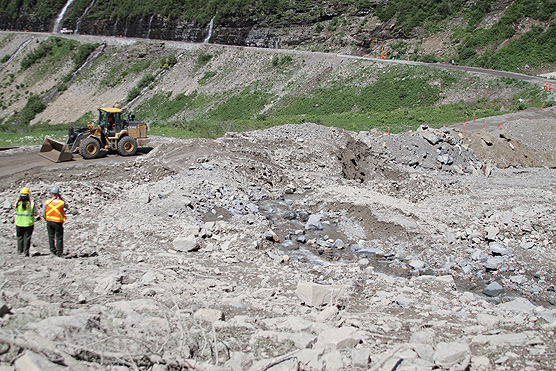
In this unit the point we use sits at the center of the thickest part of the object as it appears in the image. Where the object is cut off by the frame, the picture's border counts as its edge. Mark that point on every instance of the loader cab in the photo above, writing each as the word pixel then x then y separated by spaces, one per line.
pixel 111 119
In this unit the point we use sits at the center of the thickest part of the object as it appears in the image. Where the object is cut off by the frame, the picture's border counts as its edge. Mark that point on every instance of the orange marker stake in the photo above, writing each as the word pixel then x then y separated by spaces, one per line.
pixel 388 129
pixel 484 127
pixel 500 123
pixel 542 105
pixel 474 117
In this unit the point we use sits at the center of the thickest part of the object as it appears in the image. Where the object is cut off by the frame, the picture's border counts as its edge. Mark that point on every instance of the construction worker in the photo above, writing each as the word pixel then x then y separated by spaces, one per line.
pixel 55 216
pixel 24 221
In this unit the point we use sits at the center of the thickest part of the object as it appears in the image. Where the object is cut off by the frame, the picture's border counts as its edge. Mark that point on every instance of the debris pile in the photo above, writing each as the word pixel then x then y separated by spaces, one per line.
pixel 295 247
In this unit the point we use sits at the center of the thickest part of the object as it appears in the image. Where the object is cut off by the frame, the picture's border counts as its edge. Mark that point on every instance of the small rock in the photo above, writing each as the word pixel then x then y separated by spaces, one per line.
pixel 327 314
pixel 491 233
pixel 526 245
pixel 209 315
pixel 339 244
pixel 445 159
pixel 417 264
pixel 271 236
pixel 301 239
pixel 148 278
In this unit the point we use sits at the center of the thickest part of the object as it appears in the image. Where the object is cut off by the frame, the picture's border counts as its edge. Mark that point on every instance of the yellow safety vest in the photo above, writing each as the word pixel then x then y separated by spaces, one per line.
pixel 54 210
pixel 25 218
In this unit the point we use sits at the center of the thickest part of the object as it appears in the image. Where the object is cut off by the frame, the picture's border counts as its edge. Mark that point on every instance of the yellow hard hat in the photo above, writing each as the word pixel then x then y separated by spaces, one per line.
pixel 24 191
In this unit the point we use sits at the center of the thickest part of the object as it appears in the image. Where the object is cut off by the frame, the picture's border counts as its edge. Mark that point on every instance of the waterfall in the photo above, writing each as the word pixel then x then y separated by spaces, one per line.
pixel 87 9
pixel 60 17
pixel 209 33
pixel 149 30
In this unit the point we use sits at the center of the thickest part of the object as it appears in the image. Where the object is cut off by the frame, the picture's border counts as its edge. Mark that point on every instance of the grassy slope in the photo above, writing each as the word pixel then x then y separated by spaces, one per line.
pixel 209 90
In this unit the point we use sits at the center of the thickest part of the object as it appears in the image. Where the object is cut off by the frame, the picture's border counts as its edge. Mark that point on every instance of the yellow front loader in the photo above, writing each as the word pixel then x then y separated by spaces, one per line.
pixel 111 132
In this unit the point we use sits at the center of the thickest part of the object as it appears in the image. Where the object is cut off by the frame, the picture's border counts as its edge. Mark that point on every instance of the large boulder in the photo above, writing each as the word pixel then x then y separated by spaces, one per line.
pixel 314 294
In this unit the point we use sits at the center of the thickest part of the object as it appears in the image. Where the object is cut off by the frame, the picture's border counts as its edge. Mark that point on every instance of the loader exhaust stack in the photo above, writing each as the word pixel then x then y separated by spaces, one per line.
pixel 55 151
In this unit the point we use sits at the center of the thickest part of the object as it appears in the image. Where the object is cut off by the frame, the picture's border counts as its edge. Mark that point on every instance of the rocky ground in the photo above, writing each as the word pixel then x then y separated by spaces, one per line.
pixel 299 247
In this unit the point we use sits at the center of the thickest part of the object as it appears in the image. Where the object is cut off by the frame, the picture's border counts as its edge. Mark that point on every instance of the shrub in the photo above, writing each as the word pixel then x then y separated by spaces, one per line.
pixel 168 62
pixel 33 107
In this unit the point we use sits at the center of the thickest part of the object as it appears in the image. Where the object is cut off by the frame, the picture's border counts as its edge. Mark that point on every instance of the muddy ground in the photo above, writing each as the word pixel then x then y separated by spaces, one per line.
pixel 296 247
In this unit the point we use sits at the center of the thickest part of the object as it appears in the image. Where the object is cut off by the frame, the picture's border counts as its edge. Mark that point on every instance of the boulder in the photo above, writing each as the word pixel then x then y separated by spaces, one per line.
pixel 494 263
pixel 432 138
pixel 55 327
pixel 360 358
pixel 108 285
pixel 454 355
pixel 423 337
pixel 314 222
pixel 186 243
pixel 499 249
pixel 338 338
pixel 31 361
pixel 493 289
pixel 4 308
pixel 314 294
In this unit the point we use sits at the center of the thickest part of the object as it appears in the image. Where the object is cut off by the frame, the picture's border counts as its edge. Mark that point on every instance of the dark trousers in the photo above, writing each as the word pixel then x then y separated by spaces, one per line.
pixel 55 237
pixel 23 239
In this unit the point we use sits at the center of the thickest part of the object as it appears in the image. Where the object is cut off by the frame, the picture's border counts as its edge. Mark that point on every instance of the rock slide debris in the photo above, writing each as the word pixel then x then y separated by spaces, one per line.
pixel 295 247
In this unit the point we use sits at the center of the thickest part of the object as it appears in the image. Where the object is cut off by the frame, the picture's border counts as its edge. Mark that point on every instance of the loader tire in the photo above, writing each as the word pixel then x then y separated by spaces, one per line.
pixel 89 148
pixel 127 146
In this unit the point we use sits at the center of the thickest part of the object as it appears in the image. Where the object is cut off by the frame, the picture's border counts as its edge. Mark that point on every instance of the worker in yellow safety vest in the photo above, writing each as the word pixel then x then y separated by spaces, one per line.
pixel 24 221
pixel 55 216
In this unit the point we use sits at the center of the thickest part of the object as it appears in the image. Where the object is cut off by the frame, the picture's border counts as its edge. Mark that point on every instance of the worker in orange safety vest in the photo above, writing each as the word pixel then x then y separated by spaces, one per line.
pixel 55 216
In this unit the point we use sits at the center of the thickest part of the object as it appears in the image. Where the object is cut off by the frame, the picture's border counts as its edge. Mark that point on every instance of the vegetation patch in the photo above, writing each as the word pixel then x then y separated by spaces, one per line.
pixel 52 49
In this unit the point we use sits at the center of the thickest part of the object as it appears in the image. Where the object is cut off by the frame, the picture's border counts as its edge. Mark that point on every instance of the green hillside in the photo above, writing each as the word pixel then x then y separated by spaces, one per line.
pixel 207 90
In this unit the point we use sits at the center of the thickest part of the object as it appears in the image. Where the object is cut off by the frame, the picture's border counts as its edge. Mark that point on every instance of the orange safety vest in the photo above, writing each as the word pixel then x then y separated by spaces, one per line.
pixel 54 210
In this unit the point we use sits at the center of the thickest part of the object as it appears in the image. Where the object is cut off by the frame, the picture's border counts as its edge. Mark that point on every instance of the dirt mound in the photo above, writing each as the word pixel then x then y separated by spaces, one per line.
pixel 524 139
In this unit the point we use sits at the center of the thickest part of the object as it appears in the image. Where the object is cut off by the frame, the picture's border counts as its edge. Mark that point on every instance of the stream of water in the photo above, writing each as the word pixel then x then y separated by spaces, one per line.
pixel 329 246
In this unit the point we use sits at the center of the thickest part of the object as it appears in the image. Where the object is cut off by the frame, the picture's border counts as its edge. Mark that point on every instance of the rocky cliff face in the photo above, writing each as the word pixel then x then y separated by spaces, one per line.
pixel 229 31
pixel 25 22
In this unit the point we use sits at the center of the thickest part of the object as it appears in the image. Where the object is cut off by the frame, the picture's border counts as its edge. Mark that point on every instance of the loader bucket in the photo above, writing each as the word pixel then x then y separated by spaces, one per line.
pixel 55 151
